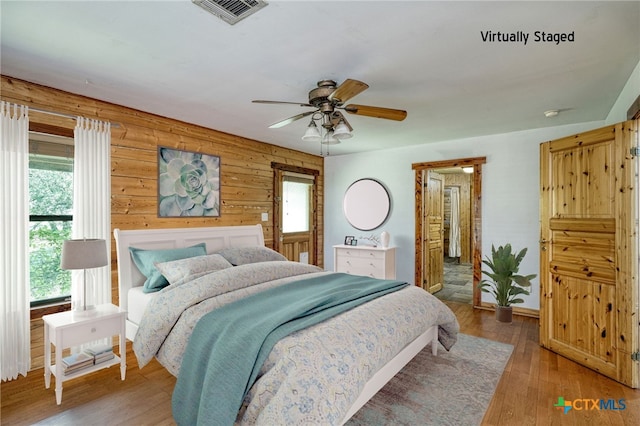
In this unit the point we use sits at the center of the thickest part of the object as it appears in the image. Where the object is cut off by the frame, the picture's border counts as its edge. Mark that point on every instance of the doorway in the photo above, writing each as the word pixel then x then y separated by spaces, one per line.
pixel 295 213
pixel 458 267
pixel 463 267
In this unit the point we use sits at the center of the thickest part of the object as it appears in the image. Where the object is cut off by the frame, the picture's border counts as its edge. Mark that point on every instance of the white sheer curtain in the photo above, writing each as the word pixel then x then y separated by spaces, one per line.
pixel 15 350
pixel 92 200
pixel 454 223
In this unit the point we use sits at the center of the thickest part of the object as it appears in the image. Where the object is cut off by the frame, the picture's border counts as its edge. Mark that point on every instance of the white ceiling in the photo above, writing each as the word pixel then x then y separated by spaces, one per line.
pixel 176 60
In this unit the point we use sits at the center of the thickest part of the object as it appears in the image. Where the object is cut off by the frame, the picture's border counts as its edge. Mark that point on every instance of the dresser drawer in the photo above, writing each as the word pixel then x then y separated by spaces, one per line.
pixel 368 254
pixel 367 272
pixel 345 263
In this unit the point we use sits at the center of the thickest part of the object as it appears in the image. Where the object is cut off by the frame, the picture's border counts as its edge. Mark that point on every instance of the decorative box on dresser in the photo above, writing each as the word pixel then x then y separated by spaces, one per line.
pixel 376 262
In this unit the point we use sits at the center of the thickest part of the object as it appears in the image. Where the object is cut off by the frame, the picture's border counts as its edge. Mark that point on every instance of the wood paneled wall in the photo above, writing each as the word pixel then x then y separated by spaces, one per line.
pixel 246 174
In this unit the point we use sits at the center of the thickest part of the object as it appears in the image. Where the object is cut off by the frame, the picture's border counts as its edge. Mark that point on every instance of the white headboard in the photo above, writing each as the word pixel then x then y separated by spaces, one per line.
pixel 216 238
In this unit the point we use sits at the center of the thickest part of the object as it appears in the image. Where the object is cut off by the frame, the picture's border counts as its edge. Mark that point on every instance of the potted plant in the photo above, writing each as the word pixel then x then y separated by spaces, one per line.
pixel 505 284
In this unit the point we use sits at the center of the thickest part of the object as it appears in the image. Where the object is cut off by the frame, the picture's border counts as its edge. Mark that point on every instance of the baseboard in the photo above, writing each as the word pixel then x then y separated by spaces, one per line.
pixel 525 312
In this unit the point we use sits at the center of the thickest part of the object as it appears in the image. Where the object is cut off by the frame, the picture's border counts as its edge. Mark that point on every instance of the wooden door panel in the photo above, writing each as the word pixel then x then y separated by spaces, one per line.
pixel 436 272
pixel 434 232
pixel 584 181
pixel 295 243
pixel 585 329
pixel 588 243
pixel 584 254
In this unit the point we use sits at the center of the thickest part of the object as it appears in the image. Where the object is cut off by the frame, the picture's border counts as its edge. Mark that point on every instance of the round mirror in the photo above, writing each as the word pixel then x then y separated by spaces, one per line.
pixel 366 204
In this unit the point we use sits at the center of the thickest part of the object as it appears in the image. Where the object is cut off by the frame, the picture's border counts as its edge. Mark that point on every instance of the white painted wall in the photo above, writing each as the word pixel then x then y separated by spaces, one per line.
pixel 629 94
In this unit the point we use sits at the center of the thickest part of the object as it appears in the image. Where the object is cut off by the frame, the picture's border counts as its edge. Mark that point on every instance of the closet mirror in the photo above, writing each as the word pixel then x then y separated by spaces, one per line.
pixel 366 204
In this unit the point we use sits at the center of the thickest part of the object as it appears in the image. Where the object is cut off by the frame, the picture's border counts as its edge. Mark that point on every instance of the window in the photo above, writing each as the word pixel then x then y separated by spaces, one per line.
pixel 50 216
pixel 296 197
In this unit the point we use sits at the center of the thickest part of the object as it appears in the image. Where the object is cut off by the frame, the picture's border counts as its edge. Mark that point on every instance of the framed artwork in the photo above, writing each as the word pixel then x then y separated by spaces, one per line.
pixel 188 183
pixel 348 240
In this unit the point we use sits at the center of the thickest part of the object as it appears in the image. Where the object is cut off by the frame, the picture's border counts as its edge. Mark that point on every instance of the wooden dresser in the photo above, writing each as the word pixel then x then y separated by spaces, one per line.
pixel 376 262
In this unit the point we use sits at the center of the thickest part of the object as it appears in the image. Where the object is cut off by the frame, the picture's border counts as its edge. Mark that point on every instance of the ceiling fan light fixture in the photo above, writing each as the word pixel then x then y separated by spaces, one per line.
pixel 330 139
pixel 312 134
pixel 328 125
pixel 341 131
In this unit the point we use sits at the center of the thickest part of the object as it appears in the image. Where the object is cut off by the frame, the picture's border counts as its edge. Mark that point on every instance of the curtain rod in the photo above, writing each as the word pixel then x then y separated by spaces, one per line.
pixel 59 114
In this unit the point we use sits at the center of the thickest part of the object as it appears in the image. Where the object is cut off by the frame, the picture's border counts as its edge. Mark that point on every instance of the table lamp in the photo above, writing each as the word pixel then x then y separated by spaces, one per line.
pixel 84 254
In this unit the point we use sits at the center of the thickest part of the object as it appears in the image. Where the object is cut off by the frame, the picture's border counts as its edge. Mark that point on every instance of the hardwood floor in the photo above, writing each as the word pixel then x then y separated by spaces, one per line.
pixel 531 384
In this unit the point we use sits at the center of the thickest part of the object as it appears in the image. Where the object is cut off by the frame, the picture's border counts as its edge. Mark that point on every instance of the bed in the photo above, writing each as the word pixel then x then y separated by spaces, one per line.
pixel 322 374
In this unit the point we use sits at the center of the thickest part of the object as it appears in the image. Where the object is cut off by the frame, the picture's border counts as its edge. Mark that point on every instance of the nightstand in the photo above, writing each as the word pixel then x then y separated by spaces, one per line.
pixel 73 328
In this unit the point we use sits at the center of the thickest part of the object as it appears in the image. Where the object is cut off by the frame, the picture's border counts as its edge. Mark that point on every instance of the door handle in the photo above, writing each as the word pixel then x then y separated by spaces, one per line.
pixel 542 244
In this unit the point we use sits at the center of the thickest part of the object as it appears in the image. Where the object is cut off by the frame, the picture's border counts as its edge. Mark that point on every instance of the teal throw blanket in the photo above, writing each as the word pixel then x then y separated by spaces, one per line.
pixel 229 345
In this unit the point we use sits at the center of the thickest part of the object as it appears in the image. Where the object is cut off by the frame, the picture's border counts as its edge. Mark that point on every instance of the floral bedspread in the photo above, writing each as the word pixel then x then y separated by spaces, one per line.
pixel 312 376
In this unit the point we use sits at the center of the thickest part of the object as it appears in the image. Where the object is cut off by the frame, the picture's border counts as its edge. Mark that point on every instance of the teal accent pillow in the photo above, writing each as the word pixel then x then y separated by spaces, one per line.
pixel 145 260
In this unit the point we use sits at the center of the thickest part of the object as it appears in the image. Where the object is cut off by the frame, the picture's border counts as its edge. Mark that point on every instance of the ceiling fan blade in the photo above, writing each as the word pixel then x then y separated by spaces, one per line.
pixel 258 101
pixel 291 119
pixel 377 112
pixel 347 90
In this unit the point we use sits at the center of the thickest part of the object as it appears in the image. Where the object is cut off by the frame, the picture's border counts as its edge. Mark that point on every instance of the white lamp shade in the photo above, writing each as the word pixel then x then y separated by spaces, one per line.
pixel 84 254
pixel 329 139
pixel 341 131
pixel 312 134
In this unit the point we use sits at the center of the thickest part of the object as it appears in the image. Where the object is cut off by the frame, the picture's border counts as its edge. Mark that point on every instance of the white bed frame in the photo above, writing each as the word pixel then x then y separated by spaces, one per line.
pixel 217 238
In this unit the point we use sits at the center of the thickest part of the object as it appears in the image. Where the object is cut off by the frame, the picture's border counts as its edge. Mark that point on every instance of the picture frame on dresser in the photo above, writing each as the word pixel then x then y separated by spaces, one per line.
pixel 348 240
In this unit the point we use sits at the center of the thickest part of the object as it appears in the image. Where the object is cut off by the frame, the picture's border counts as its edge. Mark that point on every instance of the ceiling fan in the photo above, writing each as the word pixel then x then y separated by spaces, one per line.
pixel 327 100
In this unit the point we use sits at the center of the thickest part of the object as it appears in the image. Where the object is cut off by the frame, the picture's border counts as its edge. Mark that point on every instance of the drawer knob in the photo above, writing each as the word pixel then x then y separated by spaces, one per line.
pixel 93 329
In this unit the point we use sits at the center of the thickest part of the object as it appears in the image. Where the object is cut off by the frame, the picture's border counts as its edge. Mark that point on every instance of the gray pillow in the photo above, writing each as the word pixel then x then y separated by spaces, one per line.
pixel 243 255
pixel 181 271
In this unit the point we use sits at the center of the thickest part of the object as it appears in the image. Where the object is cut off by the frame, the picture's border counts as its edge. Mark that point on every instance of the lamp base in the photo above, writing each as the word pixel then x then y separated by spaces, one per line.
pixel 84 311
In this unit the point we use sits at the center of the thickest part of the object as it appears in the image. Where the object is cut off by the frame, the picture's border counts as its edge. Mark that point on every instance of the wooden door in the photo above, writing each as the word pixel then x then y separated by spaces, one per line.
pixel 433 232
pixel 298 245
pixel 588 250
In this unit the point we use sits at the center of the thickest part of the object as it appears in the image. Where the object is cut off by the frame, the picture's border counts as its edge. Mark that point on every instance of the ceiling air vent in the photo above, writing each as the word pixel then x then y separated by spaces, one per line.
pixel 231 11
